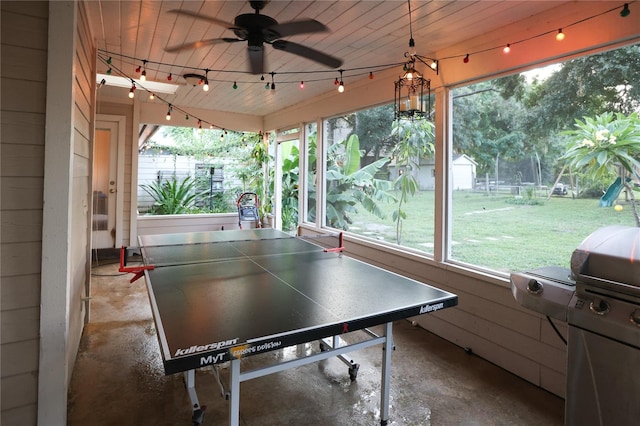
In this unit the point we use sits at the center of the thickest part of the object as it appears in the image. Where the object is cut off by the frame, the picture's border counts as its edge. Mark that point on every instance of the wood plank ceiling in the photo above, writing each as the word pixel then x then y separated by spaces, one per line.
pixel 366 35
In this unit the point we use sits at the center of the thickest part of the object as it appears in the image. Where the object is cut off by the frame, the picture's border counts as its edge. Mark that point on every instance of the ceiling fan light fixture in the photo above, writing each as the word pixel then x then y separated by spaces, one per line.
pixel 194 79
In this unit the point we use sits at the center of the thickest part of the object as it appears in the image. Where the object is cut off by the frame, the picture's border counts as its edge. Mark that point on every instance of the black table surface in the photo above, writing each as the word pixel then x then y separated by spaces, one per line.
pixel 258 290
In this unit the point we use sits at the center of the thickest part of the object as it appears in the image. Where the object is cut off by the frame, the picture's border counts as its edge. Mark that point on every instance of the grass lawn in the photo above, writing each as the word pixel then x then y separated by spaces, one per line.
pixel 490 232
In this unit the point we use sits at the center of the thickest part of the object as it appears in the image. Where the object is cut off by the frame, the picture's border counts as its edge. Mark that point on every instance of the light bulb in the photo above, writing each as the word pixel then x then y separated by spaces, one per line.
pixel 131 93
pixel 170 77
pixel 302 84
pixel 235 86
pixel 168 116
pixel 560 35
pixel 152 96
pixel 206 86
pixel 341 87
pixel 625 10
pixel 143 77
pixel 434 64
pixel 507 48
pixel 466 59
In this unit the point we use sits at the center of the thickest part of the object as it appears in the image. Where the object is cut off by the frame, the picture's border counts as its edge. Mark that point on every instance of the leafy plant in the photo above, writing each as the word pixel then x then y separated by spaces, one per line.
pixel 415 140
pixel 607 145
pixel 172 197
pixel 290 177
pixel 349 185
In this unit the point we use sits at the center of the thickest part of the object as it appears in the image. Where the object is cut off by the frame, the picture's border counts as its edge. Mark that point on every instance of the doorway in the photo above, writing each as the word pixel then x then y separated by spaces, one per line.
pixel 107 182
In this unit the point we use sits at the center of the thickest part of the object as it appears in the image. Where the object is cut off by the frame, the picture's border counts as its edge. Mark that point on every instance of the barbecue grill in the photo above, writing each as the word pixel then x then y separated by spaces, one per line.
pixel 599 299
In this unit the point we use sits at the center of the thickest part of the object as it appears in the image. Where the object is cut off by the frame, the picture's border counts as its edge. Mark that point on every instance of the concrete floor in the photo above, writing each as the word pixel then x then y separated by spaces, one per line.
pixel 118 379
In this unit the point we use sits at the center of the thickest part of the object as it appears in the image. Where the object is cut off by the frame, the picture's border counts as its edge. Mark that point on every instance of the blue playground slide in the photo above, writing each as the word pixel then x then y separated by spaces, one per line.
pixel 612 193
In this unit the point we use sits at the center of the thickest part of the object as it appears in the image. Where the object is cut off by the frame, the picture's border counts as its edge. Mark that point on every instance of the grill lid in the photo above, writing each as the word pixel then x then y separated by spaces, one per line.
pixel 609 258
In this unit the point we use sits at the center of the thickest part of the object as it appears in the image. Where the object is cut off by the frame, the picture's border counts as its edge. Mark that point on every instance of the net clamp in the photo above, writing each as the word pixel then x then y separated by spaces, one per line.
pixel 138 271
pixel 340 247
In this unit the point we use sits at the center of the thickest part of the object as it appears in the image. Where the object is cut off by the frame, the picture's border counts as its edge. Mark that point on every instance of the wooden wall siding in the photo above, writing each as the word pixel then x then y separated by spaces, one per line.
pixel 83 122
pixel 23 38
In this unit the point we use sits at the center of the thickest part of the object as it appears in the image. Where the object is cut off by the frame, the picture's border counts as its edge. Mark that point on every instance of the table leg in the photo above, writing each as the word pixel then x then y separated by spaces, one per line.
pixel 234 396
pixel 387 350
pixel 190 383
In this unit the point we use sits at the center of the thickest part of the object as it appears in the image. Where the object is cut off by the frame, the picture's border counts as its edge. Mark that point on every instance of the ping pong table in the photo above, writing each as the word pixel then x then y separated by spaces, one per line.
pixel 218 297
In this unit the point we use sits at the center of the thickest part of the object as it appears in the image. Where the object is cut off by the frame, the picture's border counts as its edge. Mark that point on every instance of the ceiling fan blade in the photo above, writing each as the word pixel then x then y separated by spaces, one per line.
pixel 299 27
pixel 203 17
pixel 256 60
pixel 307 52
pixel 197 44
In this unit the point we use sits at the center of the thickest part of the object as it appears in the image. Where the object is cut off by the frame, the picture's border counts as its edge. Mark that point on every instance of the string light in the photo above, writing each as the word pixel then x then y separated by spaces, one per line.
pixel 206 81
pixel 434 65
pixel 153 96
pixel 625 10
pixel 302 84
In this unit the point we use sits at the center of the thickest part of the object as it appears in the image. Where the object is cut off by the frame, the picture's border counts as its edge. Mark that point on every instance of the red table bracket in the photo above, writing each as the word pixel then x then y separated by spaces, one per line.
pixel 138 271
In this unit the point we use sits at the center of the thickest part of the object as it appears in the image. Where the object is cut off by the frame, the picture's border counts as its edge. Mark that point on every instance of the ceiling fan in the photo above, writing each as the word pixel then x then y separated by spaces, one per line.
pixel 257 29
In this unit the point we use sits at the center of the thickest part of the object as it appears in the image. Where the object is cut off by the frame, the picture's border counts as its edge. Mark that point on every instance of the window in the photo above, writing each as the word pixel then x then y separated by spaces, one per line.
pixel 182 170
pixel 379 179
pixel 516 205
pixel 311 135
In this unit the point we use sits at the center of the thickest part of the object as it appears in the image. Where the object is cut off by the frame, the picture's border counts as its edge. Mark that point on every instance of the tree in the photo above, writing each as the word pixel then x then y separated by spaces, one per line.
pixel 349 185
pixel 487 126
pixel 414 142
pixel 604 144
